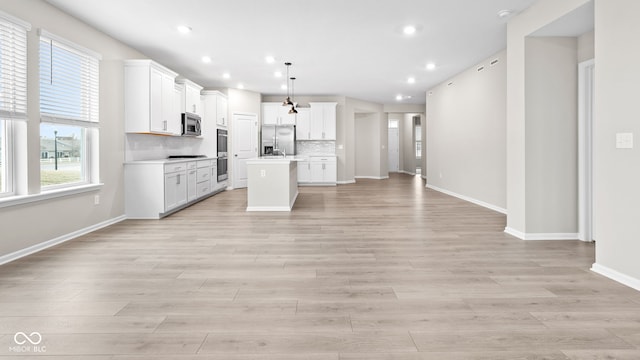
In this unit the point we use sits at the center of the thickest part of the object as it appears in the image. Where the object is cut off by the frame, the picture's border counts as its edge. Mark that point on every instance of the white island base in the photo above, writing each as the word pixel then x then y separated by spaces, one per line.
pixel 272 184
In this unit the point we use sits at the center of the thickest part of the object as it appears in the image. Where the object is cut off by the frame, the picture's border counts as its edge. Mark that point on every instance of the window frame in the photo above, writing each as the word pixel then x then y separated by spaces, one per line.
pixel 7 158
pixel 89 126
pixel 14 97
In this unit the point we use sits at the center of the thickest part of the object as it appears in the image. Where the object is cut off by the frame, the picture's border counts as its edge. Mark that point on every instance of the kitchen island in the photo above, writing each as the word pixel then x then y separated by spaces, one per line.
pixel 272 183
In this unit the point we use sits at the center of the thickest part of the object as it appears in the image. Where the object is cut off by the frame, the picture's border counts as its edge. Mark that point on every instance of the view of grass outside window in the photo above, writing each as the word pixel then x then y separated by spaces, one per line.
pixel 61 154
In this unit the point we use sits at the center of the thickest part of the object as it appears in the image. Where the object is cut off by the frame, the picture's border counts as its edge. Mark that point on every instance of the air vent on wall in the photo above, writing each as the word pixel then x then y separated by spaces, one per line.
pixel 494 61
pixel 480 68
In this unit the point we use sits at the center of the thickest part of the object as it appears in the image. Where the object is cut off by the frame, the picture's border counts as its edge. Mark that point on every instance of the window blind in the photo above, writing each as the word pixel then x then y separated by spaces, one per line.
pixel 69 82
pixel 13 67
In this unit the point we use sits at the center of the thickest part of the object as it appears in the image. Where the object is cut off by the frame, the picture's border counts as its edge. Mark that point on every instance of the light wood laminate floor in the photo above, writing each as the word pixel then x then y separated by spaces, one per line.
pixel 378 270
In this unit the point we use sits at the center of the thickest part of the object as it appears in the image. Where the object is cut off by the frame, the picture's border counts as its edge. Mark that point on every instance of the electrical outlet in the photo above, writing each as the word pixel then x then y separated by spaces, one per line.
pixel 96 200
pixel 263 173
pixel 624 140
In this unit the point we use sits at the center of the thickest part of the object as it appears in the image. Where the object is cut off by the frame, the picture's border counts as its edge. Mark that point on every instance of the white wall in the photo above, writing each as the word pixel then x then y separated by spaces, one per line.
pixel 617 171
pixel 31 224
pixel 586 46
pixel 407 145
pixel 541 13
pixel 551 78
pixel 367 162
pixel 465 134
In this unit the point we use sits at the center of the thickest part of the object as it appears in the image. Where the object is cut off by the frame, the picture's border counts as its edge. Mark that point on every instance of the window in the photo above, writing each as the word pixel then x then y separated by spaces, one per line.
pixel 13 92
pixel 69 88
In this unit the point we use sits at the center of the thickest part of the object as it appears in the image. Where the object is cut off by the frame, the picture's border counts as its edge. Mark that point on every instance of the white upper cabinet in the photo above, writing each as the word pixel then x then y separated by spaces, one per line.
pixel 215 108
pixel 276 114
pixel 323 121
pixel 149 93
pixel 222 116
pixel 303 124
pixel 190 98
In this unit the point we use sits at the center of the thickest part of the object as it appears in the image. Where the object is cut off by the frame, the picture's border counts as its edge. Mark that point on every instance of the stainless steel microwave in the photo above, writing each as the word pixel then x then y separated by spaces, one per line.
pixel 191 124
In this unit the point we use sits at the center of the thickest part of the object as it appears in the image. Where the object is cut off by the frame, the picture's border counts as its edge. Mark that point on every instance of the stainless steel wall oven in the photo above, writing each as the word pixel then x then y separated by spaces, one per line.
pixel 222 155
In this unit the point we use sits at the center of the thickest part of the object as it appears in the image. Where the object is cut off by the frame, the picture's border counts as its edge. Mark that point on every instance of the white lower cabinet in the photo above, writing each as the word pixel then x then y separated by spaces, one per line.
pixel 154 189
pixel 318 170
pixel 192 180
pixel 304 171
pixel 175 186
pixel 204 178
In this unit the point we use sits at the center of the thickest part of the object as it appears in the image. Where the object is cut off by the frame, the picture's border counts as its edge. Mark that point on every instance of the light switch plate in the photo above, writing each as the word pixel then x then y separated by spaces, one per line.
pixel 624 141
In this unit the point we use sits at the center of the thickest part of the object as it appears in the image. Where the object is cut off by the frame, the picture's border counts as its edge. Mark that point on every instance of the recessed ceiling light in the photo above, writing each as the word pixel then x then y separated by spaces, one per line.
pixel 431 66
pixel 226 75
pixel 206 59
pixel 399 97
pixel 504 13
pixel 283 87
pixel 411 80
pixel 277 74
pixel 184 29
pixel 270 59
pixel 409 30
pixel 240 86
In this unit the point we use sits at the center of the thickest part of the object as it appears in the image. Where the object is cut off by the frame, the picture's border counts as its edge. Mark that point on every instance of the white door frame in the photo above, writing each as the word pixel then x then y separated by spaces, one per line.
pixel 585 149
pixel 237 182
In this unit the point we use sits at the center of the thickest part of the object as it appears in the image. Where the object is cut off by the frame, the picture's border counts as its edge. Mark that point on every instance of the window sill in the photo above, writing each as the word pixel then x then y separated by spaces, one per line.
pixel 47 195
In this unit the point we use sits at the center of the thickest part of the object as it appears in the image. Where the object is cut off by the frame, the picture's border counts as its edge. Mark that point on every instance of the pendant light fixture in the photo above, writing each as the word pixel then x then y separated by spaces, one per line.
pixel 293 104
pixel 287 101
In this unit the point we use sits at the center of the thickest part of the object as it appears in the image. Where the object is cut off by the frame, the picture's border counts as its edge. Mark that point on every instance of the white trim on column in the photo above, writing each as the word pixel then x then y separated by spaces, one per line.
pixel 585 150
pixel 372 177
pixel 616 276
pixel 471 200
pixel 540 236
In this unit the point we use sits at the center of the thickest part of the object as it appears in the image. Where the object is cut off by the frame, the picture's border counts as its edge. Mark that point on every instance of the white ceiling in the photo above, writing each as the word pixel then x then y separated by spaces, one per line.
pixel 354 48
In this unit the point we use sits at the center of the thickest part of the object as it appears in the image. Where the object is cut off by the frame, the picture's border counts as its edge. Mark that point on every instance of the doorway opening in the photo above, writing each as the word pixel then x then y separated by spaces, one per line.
pixel 393 146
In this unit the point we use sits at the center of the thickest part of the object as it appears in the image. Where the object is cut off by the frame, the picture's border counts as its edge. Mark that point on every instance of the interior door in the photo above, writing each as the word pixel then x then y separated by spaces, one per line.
pixel 245 146
pixel 394 150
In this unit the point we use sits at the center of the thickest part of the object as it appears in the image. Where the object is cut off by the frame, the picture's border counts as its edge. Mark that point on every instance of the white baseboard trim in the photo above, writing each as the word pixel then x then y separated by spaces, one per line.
pixel 344 182
pixel 513 232
pixel 59 240
pixel 406 172
pixel 616 276
pixel 471 200
pixel 540 236
pixel 372 177
pixel 268 208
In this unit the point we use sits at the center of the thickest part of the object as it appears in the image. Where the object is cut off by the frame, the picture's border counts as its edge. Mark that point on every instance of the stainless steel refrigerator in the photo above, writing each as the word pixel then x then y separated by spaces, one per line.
pixel 278 139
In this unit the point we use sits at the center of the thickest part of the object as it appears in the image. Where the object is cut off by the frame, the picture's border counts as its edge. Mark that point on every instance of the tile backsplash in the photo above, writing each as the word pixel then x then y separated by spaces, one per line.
pixel 152 147
pixel 315 147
